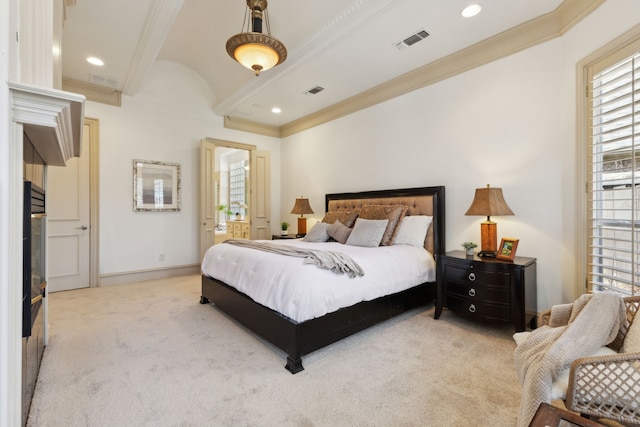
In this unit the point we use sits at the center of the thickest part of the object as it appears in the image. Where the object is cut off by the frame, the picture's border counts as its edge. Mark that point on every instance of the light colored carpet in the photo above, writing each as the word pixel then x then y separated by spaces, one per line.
pixel 149 354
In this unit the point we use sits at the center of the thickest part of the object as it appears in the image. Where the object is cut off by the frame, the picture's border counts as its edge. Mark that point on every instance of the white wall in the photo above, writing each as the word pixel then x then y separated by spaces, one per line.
pixel 10 368
pixel 510 123
pixel 165 121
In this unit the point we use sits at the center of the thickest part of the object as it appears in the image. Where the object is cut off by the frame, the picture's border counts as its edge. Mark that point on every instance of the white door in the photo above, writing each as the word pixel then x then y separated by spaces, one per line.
pixel 68 223
pixel 260 206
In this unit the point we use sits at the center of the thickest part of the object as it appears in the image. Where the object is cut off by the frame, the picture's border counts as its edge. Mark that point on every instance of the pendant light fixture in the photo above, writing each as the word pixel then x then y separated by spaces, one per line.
pixel 252 48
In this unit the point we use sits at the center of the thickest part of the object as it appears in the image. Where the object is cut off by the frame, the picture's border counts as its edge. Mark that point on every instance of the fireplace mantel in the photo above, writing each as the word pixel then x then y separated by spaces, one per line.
pixel 52 120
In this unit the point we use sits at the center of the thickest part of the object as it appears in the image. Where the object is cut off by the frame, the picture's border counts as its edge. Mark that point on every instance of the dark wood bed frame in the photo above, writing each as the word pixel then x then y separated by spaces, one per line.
pixel 300 338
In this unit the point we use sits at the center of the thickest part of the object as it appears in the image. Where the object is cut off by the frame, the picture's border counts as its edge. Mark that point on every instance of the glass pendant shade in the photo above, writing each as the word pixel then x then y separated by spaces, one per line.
pixel 254 49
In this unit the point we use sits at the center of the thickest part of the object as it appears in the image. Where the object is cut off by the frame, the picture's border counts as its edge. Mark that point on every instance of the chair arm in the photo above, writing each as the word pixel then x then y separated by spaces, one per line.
pixel 606 386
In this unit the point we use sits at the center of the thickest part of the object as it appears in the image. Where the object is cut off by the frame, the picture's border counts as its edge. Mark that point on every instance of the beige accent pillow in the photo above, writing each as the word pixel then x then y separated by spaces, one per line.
pixel 347 218
pixel 339 231
pixel 394 213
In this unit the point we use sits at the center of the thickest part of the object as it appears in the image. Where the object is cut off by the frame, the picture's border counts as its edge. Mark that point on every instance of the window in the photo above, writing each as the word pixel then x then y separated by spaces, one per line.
pixel 238 187
pixel 613 190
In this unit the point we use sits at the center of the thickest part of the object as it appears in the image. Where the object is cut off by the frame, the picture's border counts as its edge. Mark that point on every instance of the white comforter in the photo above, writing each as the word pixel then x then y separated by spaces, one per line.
pixel 302 291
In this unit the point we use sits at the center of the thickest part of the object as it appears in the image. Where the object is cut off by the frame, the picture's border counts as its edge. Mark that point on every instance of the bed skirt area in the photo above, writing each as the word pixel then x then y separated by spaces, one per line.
pixel 300 338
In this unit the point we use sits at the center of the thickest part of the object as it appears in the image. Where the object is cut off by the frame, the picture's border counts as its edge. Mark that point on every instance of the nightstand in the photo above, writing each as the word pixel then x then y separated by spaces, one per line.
pixel 487 288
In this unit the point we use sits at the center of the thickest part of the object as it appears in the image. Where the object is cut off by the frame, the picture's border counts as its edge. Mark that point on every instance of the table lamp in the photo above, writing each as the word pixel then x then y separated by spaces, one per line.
pixel 302 207
pixel 487 202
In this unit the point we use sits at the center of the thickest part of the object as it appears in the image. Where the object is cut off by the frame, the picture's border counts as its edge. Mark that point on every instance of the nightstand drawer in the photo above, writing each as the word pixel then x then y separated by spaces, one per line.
pixel 478 308
pixel 479 291
pixel 468 273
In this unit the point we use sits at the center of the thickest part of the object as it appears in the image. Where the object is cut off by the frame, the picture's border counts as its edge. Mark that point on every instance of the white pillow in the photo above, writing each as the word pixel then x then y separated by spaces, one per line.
pixel 413 230
pixel 632 340
pixel 367 232
pixel 318 233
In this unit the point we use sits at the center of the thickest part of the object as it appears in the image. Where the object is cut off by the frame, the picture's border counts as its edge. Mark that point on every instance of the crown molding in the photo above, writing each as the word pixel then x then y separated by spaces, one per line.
pixel 249 126
pixel 524 36
pixel 93 92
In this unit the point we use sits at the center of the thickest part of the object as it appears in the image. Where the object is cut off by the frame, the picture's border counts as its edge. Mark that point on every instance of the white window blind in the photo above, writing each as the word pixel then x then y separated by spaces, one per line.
pixel 614 178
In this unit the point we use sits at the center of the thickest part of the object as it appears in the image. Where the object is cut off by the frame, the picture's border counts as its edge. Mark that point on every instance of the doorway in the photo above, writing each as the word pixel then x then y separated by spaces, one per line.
pixel 235 192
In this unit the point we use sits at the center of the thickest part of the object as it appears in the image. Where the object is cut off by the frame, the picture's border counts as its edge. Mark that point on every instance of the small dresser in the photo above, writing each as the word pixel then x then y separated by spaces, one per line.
pixel 487 288
pixel 238 230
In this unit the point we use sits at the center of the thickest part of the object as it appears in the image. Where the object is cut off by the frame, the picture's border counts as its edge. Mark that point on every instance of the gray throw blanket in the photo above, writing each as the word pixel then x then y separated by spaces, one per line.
pixel 337 262
pixel 574 331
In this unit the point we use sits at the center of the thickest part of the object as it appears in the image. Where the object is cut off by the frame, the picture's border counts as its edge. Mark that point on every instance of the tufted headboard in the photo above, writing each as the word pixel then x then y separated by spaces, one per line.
pixel 420 201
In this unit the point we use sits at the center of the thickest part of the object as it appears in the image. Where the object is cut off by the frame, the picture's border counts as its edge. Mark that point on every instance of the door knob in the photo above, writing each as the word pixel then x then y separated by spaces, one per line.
pixel 82 227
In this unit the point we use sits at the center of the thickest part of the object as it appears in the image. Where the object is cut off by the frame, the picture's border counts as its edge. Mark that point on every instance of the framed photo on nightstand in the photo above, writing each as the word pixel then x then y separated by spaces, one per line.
pixel 507 249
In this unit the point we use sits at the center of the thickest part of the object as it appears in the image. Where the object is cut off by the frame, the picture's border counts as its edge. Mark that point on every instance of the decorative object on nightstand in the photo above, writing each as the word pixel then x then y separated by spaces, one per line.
pixel 468 247
pixel 302 207
pixel 487 202
pixel 487 288
pixel 507 249
pixel 284 227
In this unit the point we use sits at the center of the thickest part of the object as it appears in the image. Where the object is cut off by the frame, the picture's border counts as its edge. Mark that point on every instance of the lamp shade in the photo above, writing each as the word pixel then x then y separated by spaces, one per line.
pixel 254 49
pixel 486 202
pixel 301 207
pixel 489 201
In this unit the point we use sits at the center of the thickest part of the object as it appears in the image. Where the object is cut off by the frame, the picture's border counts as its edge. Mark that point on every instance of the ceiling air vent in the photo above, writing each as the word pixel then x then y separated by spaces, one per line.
pixel 412 39
pixel 314 90
pixel 104 81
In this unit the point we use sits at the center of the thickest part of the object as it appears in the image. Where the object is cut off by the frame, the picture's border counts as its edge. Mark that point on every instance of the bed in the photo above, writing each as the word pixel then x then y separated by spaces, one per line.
pixel 299 334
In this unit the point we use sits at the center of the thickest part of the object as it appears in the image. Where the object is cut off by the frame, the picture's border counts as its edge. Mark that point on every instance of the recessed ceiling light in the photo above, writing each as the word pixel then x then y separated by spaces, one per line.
pixel 95 61
pixel 471 10
pixel 276 110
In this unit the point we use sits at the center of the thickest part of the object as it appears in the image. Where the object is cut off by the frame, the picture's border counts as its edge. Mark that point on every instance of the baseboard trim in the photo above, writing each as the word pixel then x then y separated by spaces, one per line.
pixel 151 274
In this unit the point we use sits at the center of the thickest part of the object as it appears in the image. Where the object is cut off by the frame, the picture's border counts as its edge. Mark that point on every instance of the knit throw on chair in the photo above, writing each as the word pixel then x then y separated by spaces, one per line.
pixel 577 330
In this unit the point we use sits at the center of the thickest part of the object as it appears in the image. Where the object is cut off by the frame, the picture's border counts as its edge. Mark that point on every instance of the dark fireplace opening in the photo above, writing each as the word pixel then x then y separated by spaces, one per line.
pixel 33 289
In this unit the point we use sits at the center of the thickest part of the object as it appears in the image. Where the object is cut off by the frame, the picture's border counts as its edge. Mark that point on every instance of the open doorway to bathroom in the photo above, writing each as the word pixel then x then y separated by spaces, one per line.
pixel 235 192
